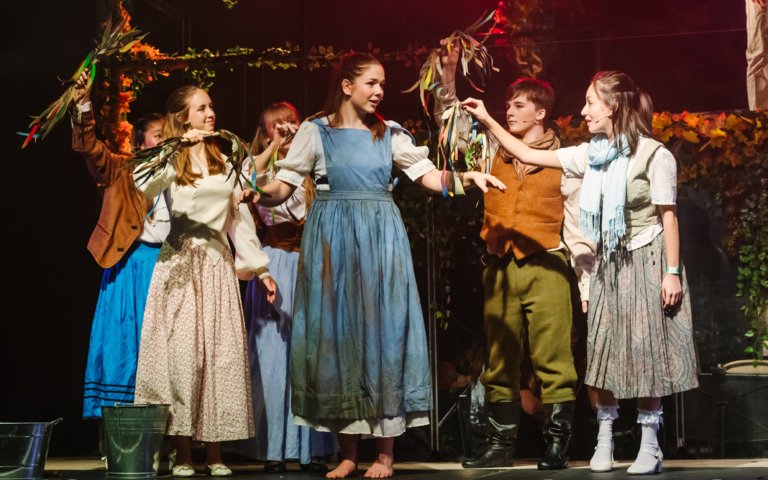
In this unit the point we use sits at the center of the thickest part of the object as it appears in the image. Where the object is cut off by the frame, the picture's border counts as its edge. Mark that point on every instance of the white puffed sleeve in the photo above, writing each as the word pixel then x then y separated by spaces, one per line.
pixel 153 186
pixel 412 160
pixel 573 160
pixel 302 155
pixel 250 259
pixel 662 175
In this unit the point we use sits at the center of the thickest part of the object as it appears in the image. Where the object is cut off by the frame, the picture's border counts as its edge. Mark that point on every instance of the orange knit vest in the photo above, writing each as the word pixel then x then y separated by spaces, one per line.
pixel 527 218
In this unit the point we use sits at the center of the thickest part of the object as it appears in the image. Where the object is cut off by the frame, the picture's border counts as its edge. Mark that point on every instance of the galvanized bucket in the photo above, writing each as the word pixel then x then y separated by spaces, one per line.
pixel 24 448
pixel 134 434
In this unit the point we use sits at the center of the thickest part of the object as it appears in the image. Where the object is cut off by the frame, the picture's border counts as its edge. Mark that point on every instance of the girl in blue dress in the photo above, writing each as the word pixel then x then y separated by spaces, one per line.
pixel 358 348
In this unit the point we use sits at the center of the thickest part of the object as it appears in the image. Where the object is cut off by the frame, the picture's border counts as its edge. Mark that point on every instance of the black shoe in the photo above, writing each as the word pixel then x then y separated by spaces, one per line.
pixel 495 454
pixel 499 449
pixel 314 467
pixel 275 467
pixel 557 433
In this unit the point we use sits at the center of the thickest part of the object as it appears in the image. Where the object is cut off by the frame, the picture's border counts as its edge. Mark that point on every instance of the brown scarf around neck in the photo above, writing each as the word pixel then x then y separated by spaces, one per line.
pixel 548 141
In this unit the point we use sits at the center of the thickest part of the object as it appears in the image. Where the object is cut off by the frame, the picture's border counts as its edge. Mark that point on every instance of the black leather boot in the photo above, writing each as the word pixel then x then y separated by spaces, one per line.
pixel 499 448
pixel 557 434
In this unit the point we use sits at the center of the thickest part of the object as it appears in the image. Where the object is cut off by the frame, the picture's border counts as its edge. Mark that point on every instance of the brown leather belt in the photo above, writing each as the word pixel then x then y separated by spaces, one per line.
pixel 285 236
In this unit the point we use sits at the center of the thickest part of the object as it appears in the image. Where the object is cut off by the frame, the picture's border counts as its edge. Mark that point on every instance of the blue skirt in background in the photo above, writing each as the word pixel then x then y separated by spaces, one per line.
pixel 110 375
pixel 277 438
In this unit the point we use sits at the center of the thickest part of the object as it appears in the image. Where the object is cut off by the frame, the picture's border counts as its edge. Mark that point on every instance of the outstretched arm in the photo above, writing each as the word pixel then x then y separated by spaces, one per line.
pixel 415 163
pixel 278 191
pixel 432 181
pixel 283 134
pixel 526 154
pixel 298 163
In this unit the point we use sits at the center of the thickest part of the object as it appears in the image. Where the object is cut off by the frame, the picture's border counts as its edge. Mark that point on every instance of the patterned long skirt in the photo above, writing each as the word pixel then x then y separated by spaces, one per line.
pixel 194 354
pixel 636 349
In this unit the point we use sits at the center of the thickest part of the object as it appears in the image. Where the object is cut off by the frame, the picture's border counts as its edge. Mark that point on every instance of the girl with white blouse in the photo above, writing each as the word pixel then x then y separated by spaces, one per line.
pixel 194 353
pixel 640 342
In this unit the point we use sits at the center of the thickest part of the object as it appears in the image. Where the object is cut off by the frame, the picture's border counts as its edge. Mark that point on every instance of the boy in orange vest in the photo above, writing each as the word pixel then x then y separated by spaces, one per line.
pixel 531 232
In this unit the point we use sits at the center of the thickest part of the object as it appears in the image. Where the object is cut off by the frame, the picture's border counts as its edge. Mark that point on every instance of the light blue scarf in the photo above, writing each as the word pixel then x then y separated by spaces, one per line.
pixel 602 211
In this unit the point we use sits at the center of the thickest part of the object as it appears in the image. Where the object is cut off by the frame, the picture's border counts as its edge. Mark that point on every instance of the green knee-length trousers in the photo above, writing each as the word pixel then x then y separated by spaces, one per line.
pixel 535 293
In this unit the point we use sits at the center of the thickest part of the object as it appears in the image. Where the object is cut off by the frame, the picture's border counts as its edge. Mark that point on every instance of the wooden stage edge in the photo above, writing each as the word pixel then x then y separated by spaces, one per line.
pixel 95 464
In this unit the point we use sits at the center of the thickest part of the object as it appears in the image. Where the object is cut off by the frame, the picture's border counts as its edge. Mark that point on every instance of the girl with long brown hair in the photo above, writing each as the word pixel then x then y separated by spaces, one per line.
pixel 194 353
pixel 358 347
pixel 640 341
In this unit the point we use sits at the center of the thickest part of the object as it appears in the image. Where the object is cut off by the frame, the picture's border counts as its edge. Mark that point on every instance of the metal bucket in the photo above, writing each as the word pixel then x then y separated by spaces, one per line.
pixel 134 434
pixel 24 448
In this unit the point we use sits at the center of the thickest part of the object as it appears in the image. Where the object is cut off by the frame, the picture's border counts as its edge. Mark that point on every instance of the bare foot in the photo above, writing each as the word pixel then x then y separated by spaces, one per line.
pixel 380 470
pixel 342 470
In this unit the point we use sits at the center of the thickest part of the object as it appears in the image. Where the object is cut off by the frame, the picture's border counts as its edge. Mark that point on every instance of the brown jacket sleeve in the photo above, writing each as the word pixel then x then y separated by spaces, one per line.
pixel 103 165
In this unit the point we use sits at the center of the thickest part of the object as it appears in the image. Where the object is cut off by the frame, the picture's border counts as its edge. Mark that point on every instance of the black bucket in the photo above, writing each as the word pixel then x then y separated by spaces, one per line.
pixel 134 434
pixel 24 448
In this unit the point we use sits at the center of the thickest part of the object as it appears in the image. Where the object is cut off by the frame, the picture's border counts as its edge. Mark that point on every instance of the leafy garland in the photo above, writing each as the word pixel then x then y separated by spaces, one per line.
pixel 113 41
pixel 136 64
pixel 148 162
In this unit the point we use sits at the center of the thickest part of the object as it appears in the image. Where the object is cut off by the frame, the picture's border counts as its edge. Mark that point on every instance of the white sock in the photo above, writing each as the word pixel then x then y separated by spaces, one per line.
pixel 650 454
pixel 602 460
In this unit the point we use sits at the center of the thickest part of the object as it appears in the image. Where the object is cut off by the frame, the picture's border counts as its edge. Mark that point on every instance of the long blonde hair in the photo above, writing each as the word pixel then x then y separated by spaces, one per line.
pixel 177 108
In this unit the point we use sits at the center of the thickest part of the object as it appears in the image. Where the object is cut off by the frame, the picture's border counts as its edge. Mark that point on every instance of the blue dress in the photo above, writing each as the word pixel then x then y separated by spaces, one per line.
pixel 110 374
pixel 277 438
pixel 358 354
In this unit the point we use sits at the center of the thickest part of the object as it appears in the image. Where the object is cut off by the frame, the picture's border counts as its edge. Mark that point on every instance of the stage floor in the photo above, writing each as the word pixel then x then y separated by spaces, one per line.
pixel 732 469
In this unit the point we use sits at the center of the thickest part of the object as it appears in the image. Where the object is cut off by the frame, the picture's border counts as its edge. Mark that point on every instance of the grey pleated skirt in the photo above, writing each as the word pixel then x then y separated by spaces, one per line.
pixel 634 348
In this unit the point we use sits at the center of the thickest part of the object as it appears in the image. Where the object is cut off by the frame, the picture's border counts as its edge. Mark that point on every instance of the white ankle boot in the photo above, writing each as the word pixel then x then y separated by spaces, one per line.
pixel 602 460
pixel 649 457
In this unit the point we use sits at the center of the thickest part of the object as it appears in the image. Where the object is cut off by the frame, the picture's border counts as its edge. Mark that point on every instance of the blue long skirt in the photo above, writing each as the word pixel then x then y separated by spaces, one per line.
pixel 110 374
pixel 359 351
pixel 269 335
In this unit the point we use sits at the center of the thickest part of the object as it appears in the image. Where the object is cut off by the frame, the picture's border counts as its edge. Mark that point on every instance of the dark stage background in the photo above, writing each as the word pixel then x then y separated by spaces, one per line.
pixel 688 54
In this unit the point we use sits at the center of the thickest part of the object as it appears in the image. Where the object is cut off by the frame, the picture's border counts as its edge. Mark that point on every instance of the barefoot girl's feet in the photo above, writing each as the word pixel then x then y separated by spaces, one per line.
pixel 342 470
pixel 381 468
